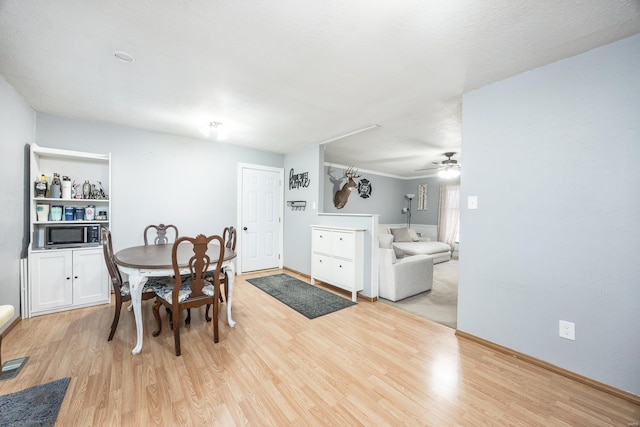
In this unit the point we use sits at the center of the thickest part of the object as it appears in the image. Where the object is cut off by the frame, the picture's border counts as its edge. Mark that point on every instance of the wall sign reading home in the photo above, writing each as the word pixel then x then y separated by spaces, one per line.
pixel 297 180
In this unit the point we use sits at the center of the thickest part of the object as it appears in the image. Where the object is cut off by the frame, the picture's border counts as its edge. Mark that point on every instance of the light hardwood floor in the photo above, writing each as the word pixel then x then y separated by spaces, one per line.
pixel 370 364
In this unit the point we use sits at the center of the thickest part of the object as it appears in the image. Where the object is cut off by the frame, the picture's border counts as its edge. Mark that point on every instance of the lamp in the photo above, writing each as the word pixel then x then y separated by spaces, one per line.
pixel 220 130
pixel 408 210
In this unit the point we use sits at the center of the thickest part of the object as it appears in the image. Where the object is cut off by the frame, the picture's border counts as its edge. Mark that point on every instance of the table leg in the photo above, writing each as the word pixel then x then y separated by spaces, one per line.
pixel 230 272
pixel 136 283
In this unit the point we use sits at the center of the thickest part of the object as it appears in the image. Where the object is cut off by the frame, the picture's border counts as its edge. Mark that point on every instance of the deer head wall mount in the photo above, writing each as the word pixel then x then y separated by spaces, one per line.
pixel 342 196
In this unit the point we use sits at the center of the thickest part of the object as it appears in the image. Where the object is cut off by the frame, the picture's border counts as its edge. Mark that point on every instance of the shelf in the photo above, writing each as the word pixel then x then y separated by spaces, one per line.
pixel 97 221
pixel 89 201
pixel 56 153
pixel 76 248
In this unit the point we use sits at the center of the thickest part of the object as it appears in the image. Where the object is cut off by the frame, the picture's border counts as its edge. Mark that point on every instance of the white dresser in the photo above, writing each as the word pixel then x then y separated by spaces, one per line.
pixel 337 257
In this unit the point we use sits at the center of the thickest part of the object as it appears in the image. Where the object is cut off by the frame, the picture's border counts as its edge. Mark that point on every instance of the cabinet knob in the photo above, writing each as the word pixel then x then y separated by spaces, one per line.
pixel 75 277
pixel 244 228
pixel 68 278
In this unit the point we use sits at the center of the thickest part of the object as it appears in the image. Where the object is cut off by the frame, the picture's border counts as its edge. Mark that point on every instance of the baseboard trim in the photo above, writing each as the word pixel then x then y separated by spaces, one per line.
pixel 630 397
pixel 297 272
pixel 329 285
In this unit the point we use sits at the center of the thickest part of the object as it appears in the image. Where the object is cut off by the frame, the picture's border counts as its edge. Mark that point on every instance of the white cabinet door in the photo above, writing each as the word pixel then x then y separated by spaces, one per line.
pixel 90 284
pixel 342 244
pixel 342 273
pixel 321 267
pixel 51 276
pixel 321 241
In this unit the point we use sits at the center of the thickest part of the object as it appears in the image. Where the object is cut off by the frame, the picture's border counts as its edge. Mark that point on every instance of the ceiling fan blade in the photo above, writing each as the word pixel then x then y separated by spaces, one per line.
pixel 426 169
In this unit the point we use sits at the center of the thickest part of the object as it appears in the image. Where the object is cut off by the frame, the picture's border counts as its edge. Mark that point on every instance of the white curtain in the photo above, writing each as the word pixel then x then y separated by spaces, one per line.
pixel 449 217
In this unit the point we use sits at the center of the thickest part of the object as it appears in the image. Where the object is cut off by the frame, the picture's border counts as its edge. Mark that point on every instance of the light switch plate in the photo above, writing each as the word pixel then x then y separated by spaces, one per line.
pixel 472 202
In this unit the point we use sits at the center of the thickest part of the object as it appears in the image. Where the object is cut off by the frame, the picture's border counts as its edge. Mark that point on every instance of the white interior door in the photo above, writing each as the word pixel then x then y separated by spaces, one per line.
pixel 261 223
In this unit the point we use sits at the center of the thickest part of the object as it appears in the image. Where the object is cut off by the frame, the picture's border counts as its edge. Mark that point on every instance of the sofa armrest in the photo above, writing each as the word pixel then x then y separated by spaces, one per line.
pixel 411 275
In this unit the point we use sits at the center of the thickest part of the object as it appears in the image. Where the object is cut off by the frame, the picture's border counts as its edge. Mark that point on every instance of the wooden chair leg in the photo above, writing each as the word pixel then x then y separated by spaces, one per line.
pixel 216 305
pixel 176 331
pixel 116 319
pixel 156 314
pixel 223 298
pixel 0 355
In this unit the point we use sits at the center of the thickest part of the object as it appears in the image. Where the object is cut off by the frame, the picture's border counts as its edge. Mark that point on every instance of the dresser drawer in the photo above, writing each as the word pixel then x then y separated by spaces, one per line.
pixel 342 273
pixel 321 241
pixel 342 244
pixel 321 266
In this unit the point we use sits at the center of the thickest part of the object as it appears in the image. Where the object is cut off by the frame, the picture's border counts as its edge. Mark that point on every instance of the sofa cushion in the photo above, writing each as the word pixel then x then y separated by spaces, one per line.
pixel 401 235
pixel 383 229
pixel 385 241
pixel 421 248
pixel 413 235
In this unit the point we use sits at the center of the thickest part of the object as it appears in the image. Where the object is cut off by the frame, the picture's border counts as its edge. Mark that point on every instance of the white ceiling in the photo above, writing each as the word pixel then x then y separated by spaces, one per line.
pixel 288 74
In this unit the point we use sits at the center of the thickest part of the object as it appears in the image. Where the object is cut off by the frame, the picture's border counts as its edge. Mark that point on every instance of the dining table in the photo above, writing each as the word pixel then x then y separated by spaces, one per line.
pixel 142 262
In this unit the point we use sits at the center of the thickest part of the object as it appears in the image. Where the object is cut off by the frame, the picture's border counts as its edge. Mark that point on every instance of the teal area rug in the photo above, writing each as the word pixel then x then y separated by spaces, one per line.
pixel 304 298
pixel 34 406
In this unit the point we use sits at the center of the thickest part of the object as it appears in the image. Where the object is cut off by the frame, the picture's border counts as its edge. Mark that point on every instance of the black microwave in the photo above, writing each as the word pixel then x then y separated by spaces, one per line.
pixel 71 236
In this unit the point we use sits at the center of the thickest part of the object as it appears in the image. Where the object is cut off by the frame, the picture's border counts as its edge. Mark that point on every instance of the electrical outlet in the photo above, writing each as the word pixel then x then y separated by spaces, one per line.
pixel 567 330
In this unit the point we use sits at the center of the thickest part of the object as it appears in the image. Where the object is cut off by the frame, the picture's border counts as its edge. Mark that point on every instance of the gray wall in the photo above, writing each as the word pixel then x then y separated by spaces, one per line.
pixel 387 197
pixel 553 156
pixel 17 129
pixel 430 216
pixel 297 231
pixel 159 178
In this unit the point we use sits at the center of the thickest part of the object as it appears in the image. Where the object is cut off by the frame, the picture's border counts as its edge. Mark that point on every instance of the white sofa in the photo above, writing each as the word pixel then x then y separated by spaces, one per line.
pixel 405 277
pixel 406 242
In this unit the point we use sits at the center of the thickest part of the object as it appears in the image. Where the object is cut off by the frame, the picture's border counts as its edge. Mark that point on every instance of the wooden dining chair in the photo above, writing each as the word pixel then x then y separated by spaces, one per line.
pixel 121 289
pixel 161 237
pixel 229 237
pixel 194 291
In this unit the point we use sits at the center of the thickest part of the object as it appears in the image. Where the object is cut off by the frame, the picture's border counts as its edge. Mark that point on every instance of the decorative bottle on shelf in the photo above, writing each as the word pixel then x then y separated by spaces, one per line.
pixel 66 187
pixel 86 189
pixel 55 186
pixel 41 186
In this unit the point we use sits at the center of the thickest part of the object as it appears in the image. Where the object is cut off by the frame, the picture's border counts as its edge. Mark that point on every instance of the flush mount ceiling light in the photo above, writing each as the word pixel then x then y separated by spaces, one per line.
pixel 123 56
pixel 220 131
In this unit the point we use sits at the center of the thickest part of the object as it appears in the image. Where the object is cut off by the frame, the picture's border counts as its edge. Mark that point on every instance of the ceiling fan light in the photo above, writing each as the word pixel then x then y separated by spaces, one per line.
pixel 449 173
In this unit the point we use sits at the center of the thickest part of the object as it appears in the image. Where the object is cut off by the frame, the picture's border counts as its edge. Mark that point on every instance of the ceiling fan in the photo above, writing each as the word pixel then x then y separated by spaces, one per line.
pixel 448 168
